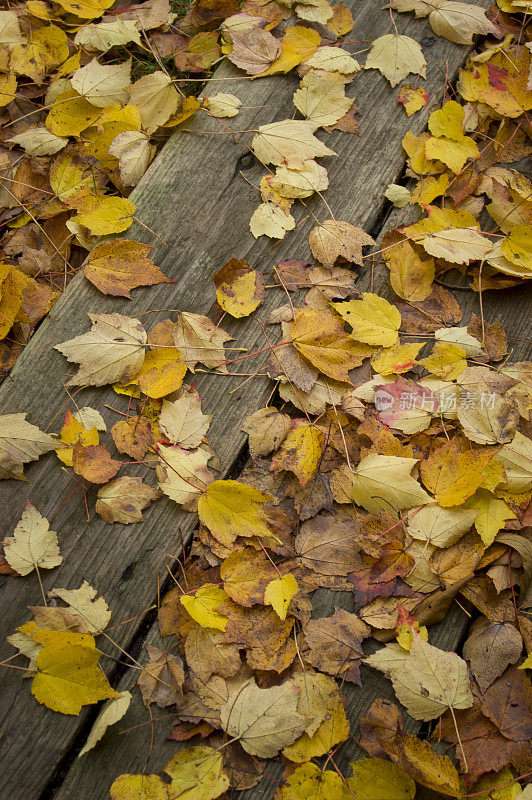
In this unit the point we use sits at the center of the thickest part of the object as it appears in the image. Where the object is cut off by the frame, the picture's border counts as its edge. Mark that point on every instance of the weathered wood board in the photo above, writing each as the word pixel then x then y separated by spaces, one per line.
pixel 195 198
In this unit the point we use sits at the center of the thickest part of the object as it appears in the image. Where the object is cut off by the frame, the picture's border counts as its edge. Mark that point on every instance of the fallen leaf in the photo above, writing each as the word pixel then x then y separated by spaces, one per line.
pixel 271 220
pixel 373 319
pixel 112 711
pixel 103 84
pixel 33 545
pixel 385 483
pixel 308 780
pixel 426 680
pixel 138 787
pixel 207 654
pixel 329 544
pixel 289 142
pixel 134 153
pixel 230 509
pixel 182 420
pixel 198 339
pixel 239 289
pixel 321 98
pixel 412 99
pixel 201 607
pixel 439 526
pixel 94 463
pixel 253 50
pixel 105 35
pixel 453 476
pixel 197 773
pixel 133 436
pixel 264 720
pixel 321 339
pixel 266 428
pixel 183 474
pixel 156 98
pixel 377 779
pixel 279 594
pixel 112 351
pixel 68 675
pixel 508 703
pixel 332 239
pixel 123 500
pixel 161 678
pixel 300 452
pixel 20 442
pixel 222 104
pixel 39 141
pixel 335 644
pixel 395 57
pixel 84 603
pixel 490 648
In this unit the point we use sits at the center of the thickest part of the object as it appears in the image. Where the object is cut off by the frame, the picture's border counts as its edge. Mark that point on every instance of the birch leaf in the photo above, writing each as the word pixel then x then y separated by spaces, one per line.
pixel 39 141
pixel 123 500
pixel 134 153
pixel 373 319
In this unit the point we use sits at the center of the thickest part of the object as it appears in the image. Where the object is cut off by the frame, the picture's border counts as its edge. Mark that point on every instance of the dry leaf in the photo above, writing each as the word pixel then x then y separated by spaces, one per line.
pixel 124 499
pixel 112 351
pixel 20 442
pixel 264 720
pixel 33 545
pixel 395 57
pixel 121 265
pixel 332 240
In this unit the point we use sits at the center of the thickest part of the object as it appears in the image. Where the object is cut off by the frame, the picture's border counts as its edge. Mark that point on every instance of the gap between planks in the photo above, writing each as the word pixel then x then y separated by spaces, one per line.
pixel 200 240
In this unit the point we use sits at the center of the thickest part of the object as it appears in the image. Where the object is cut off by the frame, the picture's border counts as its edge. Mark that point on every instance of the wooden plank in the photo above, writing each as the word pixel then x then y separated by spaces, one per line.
pixel 128 746
pixel 208 226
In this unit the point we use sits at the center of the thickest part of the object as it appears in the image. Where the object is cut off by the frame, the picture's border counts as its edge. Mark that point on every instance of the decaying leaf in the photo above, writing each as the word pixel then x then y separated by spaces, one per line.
pixel 123 500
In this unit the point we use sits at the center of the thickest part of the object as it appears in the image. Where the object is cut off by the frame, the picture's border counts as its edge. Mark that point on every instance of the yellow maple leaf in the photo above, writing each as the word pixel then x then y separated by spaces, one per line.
pixel 300 452
pixel 230 509
pixel 373 319
pixel 72 432
pixel 202 604
pixel 138 787
pixel 68 675
pixel 321 339
pixel 280 592
pixel 297 46
pixel 374 778
pixel 239 289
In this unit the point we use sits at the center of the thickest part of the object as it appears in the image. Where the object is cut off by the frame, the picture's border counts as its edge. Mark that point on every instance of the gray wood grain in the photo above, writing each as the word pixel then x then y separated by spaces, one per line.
pixel 195 199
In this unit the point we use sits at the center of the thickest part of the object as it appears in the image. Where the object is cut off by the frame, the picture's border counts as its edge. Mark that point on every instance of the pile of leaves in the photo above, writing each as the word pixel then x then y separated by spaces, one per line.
pixel 396 460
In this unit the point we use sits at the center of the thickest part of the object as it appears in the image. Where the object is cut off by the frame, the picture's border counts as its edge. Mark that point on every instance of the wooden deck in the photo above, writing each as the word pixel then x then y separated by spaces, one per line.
pixel 195 199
